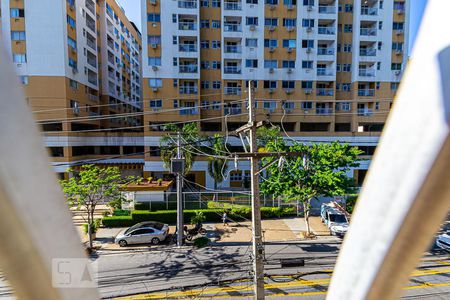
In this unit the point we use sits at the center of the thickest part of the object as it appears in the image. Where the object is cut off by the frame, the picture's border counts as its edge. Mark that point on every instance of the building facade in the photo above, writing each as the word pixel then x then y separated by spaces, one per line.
pixel 323 70
pixel 80 65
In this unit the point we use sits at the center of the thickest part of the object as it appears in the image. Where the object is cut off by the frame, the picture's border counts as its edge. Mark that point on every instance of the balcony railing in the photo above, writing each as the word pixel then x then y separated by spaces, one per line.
pixel 91 44
pixel 324 111
pixel 233 49
pixel 233 91
pixel 229 5
pixel 232 110
pixel 368 52
pixel 325 51
pixel 188 69
pixel 328 9
pixel 92 62
pixel 324 92
pixel 187 3
pixel 326 30
pixel 324 72
pixel 187 26
pixel 365 112
pixel 367 73
pixel 232 27
pixel 366 92
pixel 187 48
pixel 186 111
pixel 368 31
pixel 232 70
pixel 90 25
pixel 188 90
pixel 369 11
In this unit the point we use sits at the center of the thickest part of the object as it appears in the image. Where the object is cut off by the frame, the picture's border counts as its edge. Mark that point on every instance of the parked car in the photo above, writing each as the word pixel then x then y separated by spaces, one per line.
pixel 443 241
pixel 334 219
pixel 143 233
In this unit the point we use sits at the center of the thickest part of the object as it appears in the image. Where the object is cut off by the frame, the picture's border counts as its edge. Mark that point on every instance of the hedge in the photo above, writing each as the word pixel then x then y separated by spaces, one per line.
pixel 212 215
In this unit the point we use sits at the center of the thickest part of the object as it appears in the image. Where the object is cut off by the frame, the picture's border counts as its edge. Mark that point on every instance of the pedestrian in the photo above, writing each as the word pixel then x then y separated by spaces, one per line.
pixel 225 218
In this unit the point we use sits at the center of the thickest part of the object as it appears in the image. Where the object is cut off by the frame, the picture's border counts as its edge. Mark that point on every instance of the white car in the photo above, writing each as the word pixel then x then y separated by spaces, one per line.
pixel 443 241
pixel 142 234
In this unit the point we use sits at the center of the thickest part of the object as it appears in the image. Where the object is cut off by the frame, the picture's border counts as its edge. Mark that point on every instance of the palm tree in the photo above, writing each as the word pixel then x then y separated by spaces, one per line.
pixel 217 165
pixel 189 138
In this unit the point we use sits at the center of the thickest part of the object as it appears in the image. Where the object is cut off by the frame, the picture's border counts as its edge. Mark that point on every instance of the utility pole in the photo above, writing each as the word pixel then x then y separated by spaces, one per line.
pixel 178 168
pixel 258 247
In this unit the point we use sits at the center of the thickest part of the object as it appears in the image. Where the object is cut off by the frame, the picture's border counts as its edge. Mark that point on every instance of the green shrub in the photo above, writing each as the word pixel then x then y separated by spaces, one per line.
pixel 142 206
pixel 117 221
pixel 201 242
pixel 120 212
pixel 95 226
pixel 199 218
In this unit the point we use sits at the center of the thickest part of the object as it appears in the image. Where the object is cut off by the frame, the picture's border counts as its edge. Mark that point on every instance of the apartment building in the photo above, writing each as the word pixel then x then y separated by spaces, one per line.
pixel 80 65
pixel 325 70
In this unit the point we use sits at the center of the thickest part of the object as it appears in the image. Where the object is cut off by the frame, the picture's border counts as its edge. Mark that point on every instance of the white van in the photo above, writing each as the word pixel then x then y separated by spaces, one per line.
pixel 335 220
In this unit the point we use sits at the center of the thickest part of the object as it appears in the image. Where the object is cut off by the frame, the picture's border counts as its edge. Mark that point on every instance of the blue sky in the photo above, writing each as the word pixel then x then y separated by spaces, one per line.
pixel 132 9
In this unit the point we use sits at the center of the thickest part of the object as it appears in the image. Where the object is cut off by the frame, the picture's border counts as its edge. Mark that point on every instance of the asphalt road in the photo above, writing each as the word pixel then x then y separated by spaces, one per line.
pixel 224 271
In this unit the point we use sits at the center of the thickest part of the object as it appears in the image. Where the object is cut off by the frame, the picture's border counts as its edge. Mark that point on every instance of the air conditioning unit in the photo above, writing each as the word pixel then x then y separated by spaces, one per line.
pixel 155 89
pixel 271 70
pixel 308 91
pixel 400 12
pixel 290 7
pixel 398 52
pixel 308 50
pixel 400 31
pixel 310 8
pixel 154 46
pixel 271 91
pixel 289 71
pixel 252 27
pixel 288 91
pixel 290 28
pixel 307 70
pixel 152 2
pixel 155 68
pixel 271 49
pixel 397 73
pixel 76 108
pixel 309 29
pixel 272 7
pixel 289 50
pixel 271 28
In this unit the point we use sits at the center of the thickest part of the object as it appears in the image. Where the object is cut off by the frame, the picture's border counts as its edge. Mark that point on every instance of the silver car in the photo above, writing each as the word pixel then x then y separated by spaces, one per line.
pixel 142 235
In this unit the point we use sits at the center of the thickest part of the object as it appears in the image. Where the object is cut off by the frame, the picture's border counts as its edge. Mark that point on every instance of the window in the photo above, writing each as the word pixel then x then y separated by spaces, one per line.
pixel 288 64
pixel 380 25
pixel 377 105
pixel 339 47
pixel 174 40
pixel 216 85
pixel 308 2
pixel 154 61
pixel 18 35
pixel 215 44
pixel 346 87
pixel 290 2
pixel 271 22
pixel 269 64
pixel 399 5
pixel 155 82
pixel 307 64
pixel 204 3
pixel 215 24
pixel 73 84
pixel 252 1
pixel 252 21
pixel 398 26
pixel 71 22
pixel 204 84
pixel 216 65
pixel 72 43
pixel 347 48
pixel 343 106
pixel 289 22
pixel 17 13
pixel 289 43
pixel 269 105
pixel 346 67
pixel 204 23
pixel 23 80
pixel 154 39
pixel 270 84
pixel 378 65
pixel 155 103
pixel 396 67
pixel 175 83
pixel 308 22
pixel 288 84
pixel 348 28
pixel 307 84
pixel 204 44
pixel 394 86
pixel 175 61
pixel 307 44
pixel 19 58
pixel 236 175
pixel 251 42
pixel 270 43
pixel 348 8
pixel 174 18
pixel 204 65
pixel 251 63
pixel 72 63
pixel 272 2
pixel 306 105
pixel 153 17
pixel 215 3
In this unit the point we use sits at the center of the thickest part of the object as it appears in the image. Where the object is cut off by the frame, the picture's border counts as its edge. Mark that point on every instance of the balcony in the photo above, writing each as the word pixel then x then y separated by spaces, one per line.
pixel 235 90
pixel 324 111
pixel 324 92
pixel 366 92
pixel 230 27
pixel 188 111
pixel 187 47
pixel 366 73
pixel 189 90
pixel 369 11
pixel 187 4
pixel 188 69
pixel 368 52
pixel 233 49
pixel 365 112
pixel 187 26
pixel 327 9
pixel 324 72
pixel 232 110
pixel 326 30
pixel 232 70
pixel 368 31
pixel 232 5
pixel 325 51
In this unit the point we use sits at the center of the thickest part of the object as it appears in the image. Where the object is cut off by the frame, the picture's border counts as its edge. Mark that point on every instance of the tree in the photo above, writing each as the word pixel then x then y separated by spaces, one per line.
pixel 189 138
pixel 321 170
pixel 266 134
pixel 91 186
pixel 217 165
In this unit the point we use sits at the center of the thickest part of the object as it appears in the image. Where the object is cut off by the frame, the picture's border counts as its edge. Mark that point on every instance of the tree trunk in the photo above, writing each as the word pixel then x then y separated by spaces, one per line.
pixel 306 216
pixel 216 195
pixel 91 225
